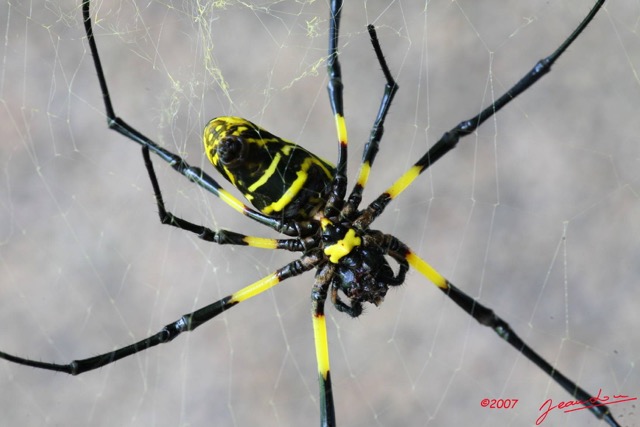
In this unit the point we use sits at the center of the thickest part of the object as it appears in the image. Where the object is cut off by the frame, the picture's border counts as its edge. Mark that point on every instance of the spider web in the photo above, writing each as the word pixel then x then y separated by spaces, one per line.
pixel 536 214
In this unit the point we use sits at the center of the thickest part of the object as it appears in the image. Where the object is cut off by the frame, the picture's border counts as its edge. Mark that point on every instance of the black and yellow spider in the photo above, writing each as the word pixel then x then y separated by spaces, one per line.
pixel 304 197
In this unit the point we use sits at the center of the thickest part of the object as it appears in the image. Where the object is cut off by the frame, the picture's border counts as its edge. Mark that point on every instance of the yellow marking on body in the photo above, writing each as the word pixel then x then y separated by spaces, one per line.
pixel 210 144
pixel 343 246
pixel 220 127
pixel 322 344
pixel 213 159
pixel 261 242
pixel 260 141
pixel 209 138
pixel 230 175
pixel 294 187
pixel 404 181
pixel 324 222
pixel 322 165
pixel 255 288
pixel 341 128
pixel 267 173
pixel 427 270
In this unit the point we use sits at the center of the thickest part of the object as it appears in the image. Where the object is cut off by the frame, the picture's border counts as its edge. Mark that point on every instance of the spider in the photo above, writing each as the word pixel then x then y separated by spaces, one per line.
pixel 304 197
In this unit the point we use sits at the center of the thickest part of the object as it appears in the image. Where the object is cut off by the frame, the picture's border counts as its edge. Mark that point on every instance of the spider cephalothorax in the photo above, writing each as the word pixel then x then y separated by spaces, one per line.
pixel 364 275
pixel 360 269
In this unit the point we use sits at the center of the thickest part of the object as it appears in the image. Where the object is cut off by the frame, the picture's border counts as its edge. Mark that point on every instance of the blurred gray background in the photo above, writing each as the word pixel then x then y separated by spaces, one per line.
pixel 537 215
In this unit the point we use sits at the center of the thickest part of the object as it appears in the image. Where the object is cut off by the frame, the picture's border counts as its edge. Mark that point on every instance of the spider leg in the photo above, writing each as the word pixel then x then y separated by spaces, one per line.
pixel 192 173
pixel 450 139
pixel 371 148
pixel 222 237
pixel 486 316
pixel 335 89
pixel 318 298
pixel 378 241
pixel 187 322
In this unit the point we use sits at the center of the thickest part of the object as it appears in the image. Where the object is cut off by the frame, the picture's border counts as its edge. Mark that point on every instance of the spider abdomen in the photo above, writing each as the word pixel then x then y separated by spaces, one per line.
pixel 278 177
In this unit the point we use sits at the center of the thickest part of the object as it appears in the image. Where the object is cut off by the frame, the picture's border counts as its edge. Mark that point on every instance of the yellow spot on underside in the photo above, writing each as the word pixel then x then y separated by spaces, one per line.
pixel 343 246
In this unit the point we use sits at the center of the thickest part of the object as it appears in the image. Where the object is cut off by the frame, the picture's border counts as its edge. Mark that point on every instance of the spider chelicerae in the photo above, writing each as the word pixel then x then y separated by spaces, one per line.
pixel 304 197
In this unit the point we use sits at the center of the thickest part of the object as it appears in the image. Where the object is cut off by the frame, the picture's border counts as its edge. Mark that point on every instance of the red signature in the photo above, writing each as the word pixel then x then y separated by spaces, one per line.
pixel 594 401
